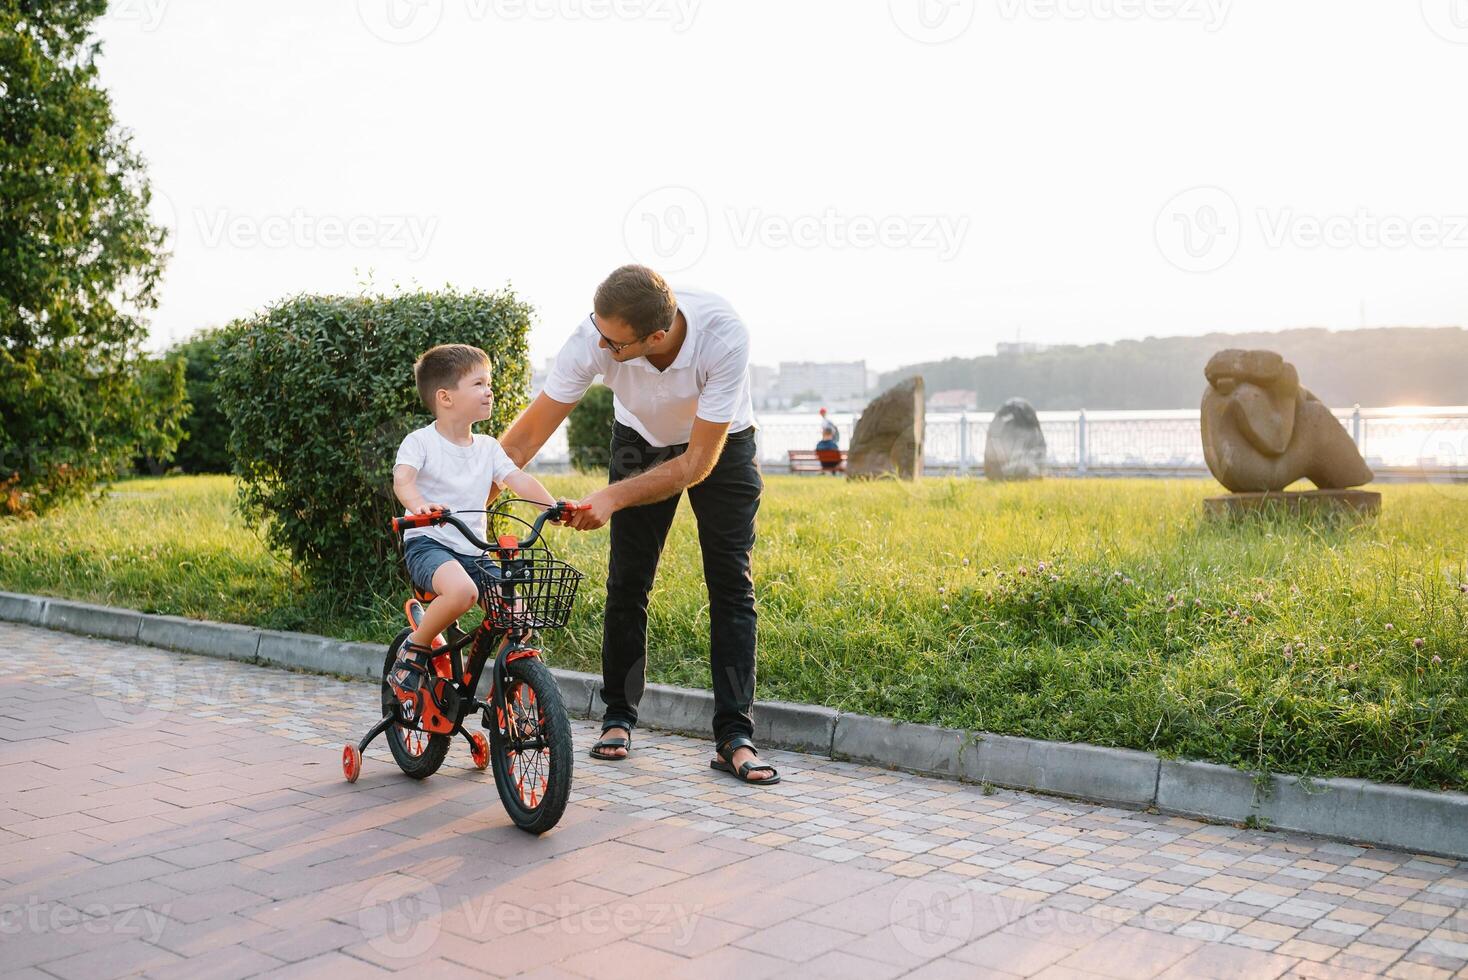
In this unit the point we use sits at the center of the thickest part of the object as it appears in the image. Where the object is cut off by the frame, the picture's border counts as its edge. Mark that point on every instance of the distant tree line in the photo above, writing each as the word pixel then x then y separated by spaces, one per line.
pixel 1374 367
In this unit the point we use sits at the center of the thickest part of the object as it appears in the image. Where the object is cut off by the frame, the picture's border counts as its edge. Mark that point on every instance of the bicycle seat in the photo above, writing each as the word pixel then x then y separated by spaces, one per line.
pixel 422 595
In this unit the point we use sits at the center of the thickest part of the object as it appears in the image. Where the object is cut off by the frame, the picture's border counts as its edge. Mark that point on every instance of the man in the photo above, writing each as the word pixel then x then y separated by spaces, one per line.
pixel 678 367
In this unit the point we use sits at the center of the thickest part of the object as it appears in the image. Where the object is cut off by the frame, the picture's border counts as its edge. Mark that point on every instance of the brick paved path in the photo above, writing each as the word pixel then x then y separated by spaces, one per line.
pixel 203 830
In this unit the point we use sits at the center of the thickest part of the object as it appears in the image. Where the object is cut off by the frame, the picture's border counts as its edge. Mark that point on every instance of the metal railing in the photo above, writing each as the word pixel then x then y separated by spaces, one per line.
pixel 1398 443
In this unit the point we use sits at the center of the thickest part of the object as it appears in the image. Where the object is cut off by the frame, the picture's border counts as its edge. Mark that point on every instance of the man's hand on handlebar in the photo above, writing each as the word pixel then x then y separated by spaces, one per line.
pixel 593 512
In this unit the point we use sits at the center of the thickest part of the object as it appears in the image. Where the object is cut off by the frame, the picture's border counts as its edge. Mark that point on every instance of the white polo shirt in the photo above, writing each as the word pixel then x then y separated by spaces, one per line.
pixel 709 379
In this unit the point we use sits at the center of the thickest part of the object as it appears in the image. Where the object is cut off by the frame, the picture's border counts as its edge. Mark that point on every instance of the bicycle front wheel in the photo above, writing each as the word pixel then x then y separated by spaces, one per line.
pixel 530 748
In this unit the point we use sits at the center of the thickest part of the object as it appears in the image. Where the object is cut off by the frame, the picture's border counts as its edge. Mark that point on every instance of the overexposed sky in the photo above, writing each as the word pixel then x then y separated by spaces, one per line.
pixel 897 181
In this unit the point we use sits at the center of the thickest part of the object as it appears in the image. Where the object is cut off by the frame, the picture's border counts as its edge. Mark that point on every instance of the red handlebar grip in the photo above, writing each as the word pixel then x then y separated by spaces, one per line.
pixel 416 520
pixel 576 507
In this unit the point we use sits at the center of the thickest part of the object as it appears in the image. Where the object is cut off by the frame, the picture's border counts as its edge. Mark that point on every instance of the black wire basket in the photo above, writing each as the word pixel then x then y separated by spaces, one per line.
pixel 531 591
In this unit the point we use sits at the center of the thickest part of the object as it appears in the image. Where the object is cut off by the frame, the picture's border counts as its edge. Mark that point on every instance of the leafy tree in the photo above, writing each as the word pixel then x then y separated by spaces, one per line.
pixel 205 448
pixel 589 430
pixel 79 264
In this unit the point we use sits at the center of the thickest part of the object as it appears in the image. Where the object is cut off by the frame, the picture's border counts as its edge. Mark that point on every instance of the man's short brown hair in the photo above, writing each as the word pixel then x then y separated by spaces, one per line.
pixel 444 366
pixel 638 295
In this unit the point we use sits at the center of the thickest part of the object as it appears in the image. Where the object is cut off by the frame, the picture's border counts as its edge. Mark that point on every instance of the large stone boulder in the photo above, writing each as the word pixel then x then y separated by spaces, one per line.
pixel 1263 431
pixel 889 435
pixel 1015 447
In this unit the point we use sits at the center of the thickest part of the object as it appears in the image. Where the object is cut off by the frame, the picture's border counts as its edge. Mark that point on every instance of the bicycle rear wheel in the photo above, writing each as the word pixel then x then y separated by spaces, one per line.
pixel 530 748
pixel 418 754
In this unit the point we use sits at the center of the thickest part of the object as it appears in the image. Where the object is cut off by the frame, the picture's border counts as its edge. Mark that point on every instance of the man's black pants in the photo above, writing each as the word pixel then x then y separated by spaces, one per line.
pixel 725 504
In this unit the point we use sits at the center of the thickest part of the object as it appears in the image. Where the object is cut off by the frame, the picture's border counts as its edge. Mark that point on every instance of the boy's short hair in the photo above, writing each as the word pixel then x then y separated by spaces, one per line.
pixel 638 295
pixel 444 366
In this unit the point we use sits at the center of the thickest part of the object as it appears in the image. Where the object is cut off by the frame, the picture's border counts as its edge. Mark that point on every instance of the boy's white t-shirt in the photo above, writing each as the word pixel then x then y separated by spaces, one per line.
pixel 709 379
pixel 459 477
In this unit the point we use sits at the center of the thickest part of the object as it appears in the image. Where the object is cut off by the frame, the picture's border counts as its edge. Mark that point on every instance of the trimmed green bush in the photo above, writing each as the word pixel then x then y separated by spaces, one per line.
pixel 319 392
pixel 589 430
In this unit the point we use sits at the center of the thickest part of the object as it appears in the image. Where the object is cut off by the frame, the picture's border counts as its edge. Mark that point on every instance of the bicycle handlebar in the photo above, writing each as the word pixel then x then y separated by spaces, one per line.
pixel 438 517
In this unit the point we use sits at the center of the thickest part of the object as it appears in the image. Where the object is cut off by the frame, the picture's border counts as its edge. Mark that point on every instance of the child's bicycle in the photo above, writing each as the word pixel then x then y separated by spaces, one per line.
pixel 529 744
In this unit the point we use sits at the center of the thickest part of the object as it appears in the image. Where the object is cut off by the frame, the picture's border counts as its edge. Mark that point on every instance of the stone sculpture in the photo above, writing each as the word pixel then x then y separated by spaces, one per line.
pixel 889 435
pixel 1015 447
pixel 1263 431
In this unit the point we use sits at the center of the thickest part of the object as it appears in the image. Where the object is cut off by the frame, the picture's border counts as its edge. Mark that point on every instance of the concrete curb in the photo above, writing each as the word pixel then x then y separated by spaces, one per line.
pixel 82 617
pixel 224 640
pixel 320 654
pixel 676 709
pixel 797 727
pixel 899 744
pixel 28 609
pixel 577 690
pixel 1420 821
pixel 1088 772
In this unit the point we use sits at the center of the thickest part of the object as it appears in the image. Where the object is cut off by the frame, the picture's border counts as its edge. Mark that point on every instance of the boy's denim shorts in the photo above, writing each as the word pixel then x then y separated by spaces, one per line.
pixel 423 556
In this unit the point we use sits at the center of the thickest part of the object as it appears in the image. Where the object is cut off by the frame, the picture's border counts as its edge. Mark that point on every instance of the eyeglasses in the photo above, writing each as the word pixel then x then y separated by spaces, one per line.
pixel 612 346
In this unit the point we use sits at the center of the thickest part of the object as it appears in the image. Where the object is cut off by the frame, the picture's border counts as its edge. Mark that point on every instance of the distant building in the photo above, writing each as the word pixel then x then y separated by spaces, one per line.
pixel 538 375
pixel 953 400
pixel 763 385
pixel 831 383
pixel 1017 347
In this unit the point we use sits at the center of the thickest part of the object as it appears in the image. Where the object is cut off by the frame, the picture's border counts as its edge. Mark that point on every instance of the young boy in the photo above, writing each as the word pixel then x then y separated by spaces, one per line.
pixel 448 465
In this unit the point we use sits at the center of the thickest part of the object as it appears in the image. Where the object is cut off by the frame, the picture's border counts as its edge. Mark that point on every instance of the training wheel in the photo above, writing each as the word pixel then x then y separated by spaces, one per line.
pixel 479 749
pixel 351 762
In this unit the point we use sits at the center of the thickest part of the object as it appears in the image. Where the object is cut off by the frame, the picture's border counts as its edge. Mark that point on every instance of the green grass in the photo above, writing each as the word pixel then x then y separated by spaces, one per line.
pixel 1106 611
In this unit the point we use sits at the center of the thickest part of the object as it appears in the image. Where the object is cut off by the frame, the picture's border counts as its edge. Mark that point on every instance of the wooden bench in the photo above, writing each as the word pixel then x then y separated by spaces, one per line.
pixel 812 460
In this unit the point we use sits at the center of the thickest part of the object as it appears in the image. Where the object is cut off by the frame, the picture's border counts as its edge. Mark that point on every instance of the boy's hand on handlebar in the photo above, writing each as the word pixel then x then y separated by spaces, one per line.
pixel 428 508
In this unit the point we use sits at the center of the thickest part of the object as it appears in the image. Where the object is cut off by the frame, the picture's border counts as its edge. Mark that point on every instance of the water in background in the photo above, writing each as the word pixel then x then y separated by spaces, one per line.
pixel 1429 442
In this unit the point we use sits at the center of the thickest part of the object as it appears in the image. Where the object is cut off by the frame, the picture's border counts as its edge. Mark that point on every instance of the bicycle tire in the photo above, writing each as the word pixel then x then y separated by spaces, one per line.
pixel 418 754
pixel 531 810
